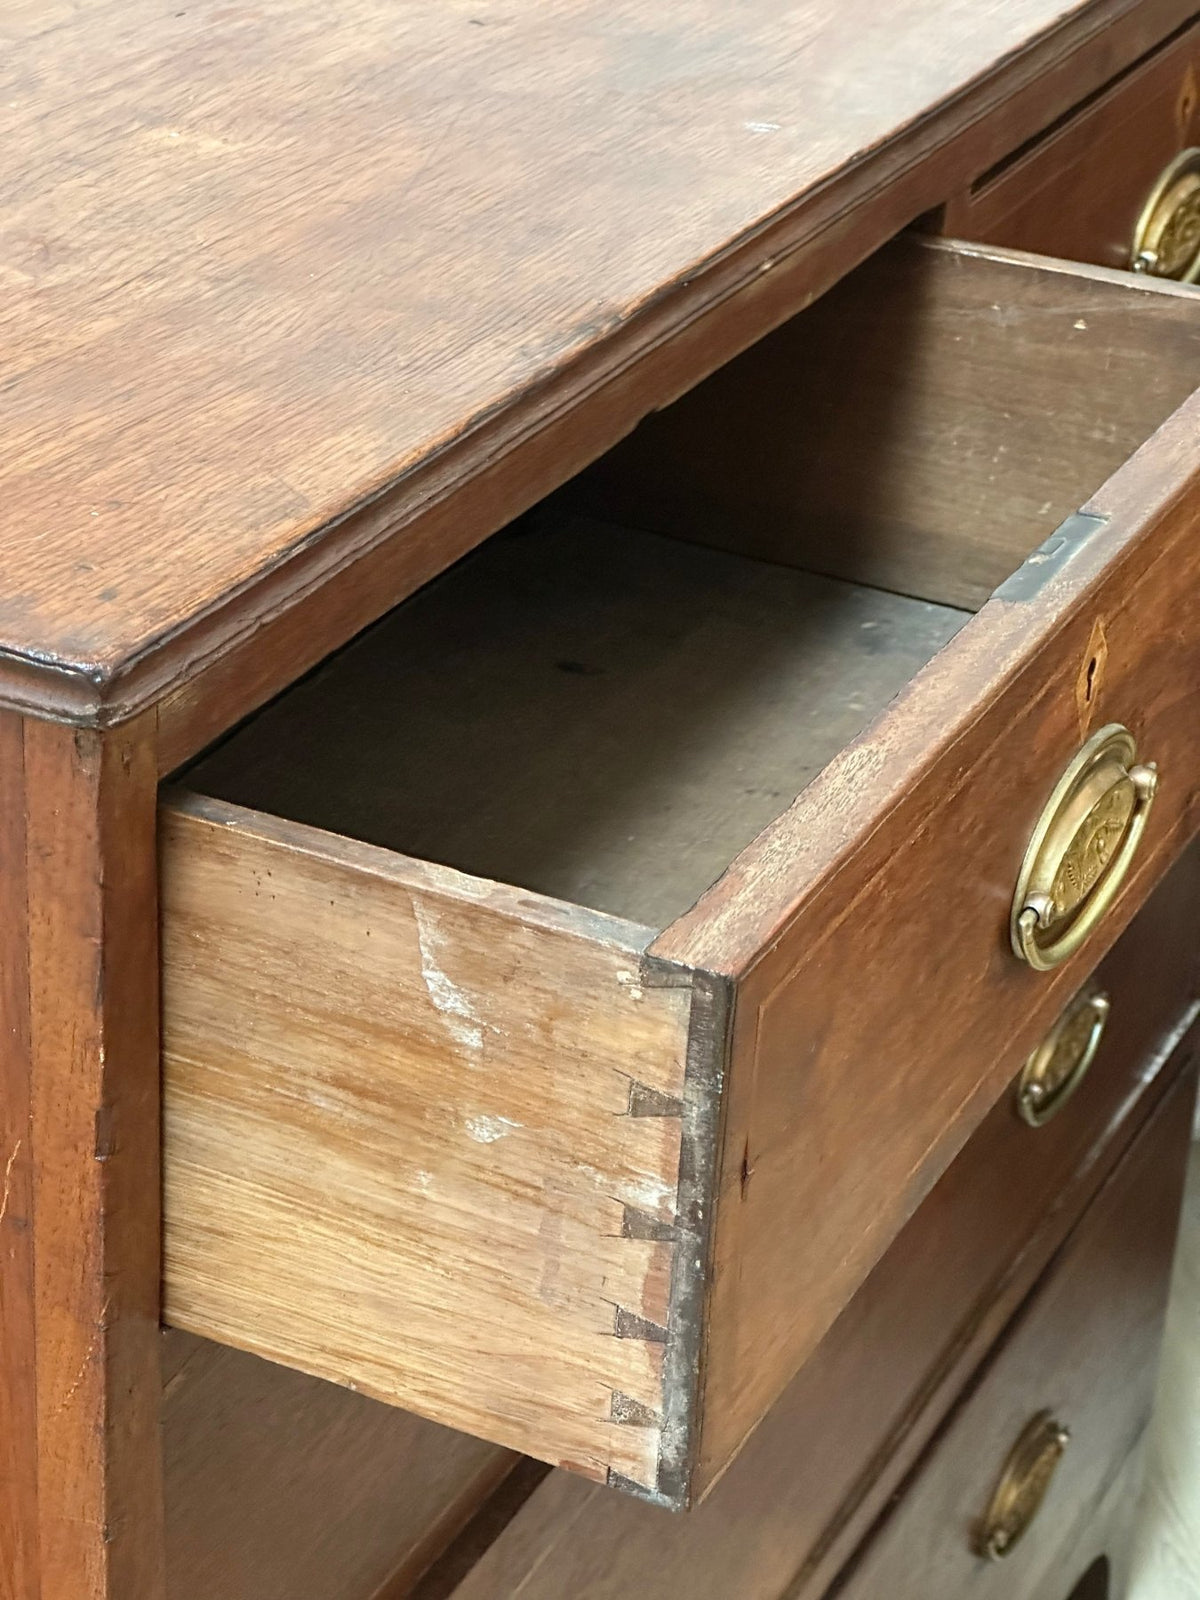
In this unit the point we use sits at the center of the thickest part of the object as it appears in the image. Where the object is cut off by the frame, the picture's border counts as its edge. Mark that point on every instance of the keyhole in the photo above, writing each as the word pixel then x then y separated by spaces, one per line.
pixel 1187 102
pixel 747 1170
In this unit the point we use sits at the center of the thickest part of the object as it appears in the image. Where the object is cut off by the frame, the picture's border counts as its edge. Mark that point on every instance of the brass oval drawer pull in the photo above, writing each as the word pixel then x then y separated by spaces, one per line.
pixel 1081 848
pixel 1060 1063
pixel 1018 1495
pixel 1166 240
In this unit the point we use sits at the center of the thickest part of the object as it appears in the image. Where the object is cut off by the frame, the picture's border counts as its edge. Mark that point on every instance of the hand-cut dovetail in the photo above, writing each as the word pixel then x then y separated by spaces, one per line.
pixel 644 1102
pixel 628 1410
pixel 626 1325
pixel 624 1485
pixel 639 1225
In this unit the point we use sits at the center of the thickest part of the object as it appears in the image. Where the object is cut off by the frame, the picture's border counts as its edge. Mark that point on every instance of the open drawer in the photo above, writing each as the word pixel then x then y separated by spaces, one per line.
pixel 532 1059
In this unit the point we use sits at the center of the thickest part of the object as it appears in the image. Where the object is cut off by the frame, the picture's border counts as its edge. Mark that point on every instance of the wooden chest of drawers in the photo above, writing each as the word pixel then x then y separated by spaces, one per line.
pixel 567 1153
pixel 627 738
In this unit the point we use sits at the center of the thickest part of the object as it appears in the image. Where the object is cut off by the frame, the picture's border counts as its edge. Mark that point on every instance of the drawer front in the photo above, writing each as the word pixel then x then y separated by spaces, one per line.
pixel 1080 189
pixel 1081 1357
pixel 867 1400
pixel 831 1451
pixel 878 1000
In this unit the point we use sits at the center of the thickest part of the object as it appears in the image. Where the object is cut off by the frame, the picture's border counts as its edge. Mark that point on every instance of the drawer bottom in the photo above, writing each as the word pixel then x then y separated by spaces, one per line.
pixel 283 1487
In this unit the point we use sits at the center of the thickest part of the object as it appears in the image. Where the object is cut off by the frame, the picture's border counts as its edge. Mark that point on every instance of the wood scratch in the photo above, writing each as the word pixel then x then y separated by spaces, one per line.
pixel 8 1172
pixel 88 1356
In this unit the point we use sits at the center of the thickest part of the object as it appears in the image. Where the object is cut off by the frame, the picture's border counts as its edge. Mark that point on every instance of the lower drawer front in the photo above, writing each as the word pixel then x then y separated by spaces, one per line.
pixel 998 1503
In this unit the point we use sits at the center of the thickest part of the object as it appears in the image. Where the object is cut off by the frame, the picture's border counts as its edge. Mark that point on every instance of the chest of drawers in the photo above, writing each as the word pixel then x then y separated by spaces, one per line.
pixel 571 1154
pixel 626 740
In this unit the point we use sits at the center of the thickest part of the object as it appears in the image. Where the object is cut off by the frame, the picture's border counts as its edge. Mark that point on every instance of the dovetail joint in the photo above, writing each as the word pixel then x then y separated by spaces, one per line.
pixel 628 1325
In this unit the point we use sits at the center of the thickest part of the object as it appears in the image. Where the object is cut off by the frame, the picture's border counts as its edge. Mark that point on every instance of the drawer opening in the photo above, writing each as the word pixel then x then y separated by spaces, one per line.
pixel 588 711
pixel 505 956
pixel 595 707
pixel 278 1485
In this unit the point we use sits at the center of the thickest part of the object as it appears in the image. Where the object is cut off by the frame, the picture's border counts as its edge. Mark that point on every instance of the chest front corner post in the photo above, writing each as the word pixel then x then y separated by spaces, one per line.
pixel 80 1455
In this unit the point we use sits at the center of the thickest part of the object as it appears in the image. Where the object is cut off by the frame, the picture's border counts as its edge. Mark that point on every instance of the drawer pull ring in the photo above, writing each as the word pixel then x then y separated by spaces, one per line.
pixel 1081 849
pixel 1060 1063
pixel 1166 241
pixel 1018 1495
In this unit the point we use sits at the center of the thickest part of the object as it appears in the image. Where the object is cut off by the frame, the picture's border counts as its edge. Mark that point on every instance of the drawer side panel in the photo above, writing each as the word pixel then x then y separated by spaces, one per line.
pixel 423 1136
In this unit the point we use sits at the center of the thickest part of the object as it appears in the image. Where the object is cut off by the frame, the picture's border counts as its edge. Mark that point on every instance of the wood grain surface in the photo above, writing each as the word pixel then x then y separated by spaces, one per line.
pixel 18 1312
pixel 425 1138
pixel 278 280
pixel 80 1511
pixel 279 1485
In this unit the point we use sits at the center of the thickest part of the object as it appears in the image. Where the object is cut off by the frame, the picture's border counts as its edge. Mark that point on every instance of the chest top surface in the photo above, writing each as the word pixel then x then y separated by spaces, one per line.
pixel 263 262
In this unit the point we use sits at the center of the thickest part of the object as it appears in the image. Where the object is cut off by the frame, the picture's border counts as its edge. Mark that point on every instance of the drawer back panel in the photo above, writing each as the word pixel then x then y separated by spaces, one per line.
pixel 922 427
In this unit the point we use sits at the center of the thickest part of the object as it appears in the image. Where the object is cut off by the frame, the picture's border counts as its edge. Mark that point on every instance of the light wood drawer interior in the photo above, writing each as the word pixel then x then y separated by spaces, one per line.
pixel 465 1053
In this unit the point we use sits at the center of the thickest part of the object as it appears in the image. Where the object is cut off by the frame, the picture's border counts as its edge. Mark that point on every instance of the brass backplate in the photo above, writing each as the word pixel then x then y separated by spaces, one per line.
pixel 1081 848
pixel 1060 1063
pixel 1022 1486
pixel 1166 240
